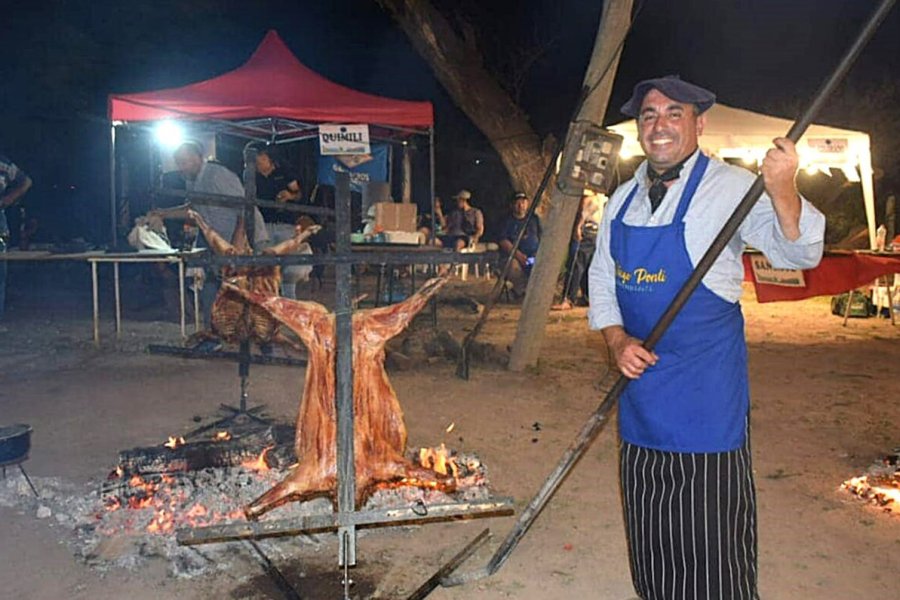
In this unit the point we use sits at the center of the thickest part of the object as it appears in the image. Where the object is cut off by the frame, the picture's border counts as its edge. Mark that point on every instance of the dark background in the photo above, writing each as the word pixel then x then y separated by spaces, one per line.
pixel 61 59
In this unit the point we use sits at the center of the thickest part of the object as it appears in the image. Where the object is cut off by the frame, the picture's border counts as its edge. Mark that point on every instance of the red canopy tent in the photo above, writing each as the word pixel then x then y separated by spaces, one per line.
pixel 273 97
pixel 271 84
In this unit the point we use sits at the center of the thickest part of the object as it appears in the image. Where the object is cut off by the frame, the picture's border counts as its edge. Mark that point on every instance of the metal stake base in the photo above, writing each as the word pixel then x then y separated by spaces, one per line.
pixel 24 474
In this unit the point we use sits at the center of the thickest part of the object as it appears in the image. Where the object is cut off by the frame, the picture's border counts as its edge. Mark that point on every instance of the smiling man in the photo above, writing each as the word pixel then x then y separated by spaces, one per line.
pixel 687 482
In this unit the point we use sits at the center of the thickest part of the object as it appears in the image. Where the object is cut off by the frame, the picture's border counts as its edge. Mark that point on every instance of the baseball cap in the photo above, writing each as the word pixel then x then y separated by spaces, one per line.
pixel 673 87
pixel 463 194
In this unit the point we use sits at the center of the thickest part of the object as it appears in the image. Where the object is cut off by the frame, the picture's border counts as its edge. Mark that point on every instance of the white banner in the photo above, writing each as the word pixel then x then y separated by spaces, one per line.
pixel 344 139
pixel 764 272
pixel 828 145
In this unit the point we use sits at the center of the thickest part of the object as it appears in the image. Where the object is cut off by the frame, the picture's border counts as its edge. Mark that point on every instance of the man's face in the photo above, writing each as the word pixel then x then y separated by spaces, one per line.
pixel 264 164
pixel 462 203
pixel 667 130
pixel 189 163
pixel 520 207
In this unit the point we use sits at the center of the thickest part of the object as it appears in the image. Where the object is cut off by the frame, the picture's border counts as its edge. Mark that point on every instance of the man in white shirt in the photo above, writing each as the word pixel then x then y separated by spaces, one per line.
pixel 686 476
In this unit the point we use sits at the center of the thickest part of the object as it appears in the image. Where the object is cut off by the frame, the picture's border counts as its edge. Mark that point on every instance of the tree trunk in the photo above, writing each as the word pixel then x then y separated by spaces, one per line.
pixel 458 65
pixel 562 210
pixel 379 430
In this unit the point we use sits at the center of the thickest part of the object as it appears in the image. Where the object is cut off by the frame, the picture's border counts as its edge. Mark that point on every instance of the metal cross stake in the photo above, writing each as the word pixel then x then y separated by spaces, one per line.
pixel 599 417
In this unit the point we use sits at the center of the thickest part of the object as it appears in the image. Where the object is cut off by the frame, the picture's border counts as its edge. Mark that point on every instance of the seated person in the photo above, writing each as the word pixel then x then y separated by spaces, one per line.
pixel 523 259
pixel 425 223
pixel 465 225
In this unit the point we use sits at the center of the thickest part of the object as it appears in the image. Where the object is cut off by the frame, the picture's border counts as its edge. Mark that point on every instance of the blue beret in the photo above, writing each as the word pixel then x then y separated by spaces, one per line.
pixel 673 87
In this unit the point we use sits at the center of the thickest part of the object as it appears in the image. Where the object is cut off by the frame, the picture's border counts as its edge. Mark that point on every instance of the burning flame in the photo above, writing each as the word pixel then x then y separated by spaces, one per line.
pixel 222 436
pixel 439 460
pixel 886 497
pixel 174 442
pixel 258 464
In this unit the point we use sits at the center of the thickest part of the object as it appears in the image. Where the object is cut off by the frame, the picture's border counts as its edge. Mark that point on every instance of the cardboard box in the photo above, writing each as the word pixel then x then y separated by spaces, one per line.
pixel 395 216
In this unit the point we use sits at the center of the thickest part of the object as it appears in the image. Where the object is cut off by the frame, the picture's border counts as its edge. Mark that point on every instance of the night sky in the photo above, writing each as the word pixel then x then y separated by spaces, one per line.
pixel 62 59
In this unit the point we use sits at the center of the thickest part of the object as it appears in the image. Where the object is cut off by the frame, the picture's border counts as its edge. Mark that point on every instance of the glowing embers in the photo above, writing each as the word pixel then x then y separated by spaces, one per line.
pixel 884 492
pixel 880 485
pixel 159 504
pixel 186 483
pixel 461 477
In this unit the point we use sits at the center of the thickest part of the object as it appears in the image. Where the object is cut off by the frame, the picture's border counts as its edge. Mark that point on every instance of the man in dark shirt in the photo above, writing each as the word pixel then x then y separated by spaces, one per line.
pixel 13 185
pixel 277 184
pixel 523 259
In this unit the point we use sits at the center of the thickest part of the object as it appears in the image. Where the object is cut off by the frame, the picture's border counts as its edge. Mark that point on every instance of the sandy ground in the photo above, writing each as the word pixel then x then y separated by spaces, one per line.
pixel 825 406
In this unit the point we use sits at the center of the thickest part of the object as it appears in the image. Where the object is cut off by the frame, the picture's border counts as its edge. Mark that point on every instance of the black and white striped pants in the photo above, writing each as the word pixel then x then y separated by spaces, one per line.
pixel 691 523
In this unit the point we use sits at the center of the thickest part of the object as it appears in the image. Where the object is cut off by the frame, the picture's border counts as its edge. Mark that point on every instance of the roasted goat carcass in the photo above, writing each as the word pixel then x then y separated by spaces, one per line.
pixel 233 319
pixel 379 430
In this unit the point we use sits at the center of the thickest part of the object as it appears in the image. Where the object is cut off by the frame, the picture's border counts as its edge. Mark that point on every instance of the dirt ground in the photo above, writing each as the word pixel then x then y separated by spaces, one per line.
pixel 825 406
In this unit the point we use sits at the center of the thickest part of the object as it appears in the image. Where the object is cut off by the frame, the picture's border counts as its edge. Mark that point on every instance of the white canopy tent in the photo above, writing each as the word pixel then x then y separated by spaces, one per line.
pixel 742 134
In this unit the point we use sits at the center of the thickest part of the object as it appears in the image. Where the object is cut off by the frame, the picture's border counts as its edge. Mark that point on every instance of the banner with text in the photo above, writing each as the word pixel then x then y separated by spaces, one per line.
pixel 344 139
pixel 764 272
pixel 362 169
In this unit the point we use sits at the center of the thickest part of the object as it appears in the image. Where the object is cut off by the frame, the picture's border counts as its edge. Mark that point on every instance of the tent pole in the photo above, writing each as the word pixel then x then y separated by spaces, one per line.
pixel 431 236
pixel 113 205
pixel 868 189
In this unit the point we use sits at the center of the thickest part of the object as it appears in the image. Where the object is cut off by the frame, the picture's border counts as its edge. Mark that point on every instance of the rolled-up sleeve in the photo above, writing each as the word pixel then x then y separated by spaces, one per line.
pixel 763 231
pixel 604 309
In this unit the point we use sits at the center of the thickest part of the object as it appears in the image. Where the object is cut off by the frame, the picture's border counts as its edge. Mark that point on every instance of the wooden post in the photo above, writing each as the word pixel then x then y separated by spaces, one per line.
pixel 562 209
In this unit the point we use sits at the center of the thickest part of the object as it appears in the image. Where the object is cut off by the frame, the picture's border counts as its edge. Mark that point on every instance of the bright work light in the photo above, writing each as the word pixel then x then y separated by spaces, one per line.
pixel 169 134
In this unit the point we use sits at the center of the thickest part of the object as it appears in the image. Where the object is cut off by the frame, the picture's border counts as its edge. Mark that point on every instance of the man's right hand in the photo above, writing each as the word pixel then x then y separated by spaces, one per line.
pixel 630 355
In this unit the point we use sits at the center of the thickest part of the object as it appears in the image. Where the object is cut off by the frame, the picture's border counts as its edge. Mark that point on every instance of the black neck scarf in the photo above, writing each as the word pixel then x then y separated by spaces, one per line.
pixel 658 182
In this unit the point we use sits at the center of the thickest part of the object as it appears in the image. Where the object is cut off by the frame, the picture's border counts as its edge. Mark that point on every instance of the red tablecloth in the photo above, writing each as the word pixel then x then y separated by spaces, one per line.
pixel 837 273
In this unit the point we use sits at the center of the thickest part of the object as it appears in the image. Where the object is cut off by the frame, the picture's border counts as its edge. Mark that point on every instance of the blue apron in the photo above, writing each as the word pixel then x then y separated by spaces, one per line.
pixel 696 398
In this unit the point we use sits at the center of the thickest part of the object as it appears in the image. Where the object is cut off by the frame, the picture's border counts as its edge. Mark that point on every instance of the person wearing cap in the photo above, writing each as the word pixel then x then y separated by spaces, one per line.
pixel 523 259
pixel 465 225
pixel 685 468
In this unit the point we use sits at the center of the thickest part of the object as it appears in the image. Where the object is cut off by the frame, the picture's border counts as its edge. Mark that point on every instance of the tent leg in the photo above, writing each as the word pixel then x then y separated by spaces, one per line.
pixel 113 205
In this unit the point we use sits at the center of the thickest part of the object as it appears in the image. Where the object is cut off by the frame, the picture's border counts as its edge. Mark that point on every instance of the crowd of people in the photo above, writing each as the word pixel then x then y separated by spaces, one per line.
pixel 461 228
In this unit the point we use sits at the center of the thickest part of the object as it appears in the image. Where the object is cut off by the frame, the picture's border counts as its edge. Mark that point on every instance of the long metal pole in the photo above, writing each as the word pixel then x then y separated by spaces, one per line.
pixel 250 195
pixel 598 419
pixel 344 371
pixel 113 204
pixel 432 235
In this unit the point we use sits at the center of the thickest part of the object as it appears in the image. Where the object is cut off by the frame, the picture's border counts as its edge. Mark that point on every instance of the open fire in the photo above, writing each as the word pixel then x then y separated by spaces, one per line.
pixel 170 505
pixel 880 485
pixel 160 503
